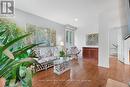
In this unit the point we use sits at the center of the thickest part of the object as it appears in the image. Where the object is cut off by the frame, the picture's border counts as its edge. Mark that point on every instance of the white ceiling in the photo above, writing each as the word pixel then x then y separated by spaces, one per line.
pixel 65 11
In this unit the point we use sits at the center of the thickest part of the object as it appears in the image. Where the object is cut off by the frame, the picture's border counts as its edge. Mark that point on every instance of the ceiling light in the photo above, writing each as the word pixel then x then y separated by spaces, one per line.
pixel 76 19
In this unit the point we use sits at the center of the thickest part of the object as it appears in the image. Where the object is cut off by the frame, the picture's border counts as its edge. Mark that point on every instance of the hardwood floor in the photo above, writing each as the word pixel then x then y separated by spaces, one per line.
pixel 84 73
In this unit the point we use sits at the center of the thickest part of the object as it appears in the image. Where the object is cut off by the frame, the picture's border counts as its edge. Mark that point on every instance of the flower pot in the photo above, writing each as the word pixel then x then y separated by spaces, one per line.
pixel 61 58
pixel 2 82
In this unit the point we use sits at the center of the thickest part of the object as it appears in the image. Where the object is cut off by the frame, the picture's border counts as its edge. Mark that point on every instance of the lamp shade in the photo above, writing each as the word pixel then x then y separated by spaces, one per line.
pixel 62 43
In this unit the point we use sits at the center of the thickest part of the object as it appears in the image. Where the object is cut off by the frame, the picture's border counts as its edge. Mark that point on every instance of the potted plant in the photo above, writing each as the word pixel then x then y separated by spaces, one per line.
pixel 62 54
pixel 9 62
pixel 13 54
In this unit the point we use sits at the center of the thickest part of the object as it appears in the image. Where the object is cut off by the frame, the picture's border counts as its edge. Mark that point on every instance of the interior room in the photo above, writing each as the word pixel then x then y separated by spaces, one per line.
pixel 64 43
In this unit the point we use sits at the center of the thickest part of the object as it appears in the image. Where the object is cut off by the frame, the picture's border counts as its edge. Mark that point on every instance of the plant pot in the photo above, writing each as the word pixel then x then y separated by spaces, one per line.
pixel 61 58
pixel 2 82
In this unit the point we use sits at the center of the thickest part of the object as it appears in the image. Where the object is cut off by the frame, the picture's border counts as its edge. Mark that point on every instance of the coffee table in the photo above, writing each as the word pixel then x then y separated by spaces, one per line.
pixel 61 66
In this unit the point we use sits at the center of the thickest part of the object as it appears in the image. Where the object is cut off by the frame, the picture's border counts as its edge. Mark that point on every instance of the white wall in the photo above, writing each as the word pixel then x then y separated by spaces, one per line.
pixel 22 18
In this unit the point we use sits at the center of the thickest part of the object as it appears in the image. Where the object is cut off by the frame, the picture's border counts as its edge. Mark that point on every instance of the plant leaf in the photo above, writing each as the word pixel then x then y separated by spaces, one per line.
pixel 23 50
pixel 8 53
pixel 2 32
pixel 28 60
pixel 6 39
pixel 14 41
pixel 10 65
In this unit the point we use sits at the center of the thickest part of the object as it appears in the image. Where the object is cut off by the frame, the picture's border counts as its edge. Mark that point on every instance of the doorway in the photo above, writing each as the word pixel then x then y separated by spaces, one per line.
pixel 113 43
pixel 116 44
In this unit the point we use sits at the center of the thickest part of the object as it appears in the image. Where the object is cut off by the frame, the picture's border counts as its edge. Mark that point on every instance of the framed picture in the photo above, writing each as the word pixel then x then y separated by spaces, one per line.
pixel 92 39
pixel 46 36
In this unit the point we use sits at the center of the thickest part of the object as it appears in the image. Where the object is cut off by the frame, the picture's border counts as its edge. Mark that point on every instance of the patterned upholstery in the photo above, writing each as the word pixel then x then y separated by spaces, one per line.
pixel 73 52
pixel 45 58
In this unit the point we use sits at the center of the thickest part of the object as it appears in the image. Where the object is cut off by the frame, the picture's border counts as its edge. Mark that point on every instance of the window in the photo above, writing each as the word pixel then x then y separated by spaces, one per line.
pixel 69 38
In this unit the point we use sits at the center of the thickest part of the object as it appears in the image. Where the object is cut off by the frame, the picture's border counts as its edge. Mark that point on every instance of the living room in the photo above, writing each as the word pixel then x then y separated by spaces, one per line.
pixel 61 43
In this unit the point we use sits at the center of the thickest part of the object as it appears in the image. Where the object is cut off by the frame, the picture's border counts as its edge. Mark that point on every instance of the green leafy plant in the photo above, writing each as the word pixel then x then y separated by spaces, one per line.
pixel 10 64
pixel 14 55
pixel 62 53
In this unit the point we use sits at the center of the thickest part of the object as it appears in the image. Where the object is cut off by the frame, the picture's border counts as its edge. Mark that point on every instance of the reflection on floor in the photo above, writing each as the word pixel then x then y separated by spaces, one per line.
pixel 84 73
